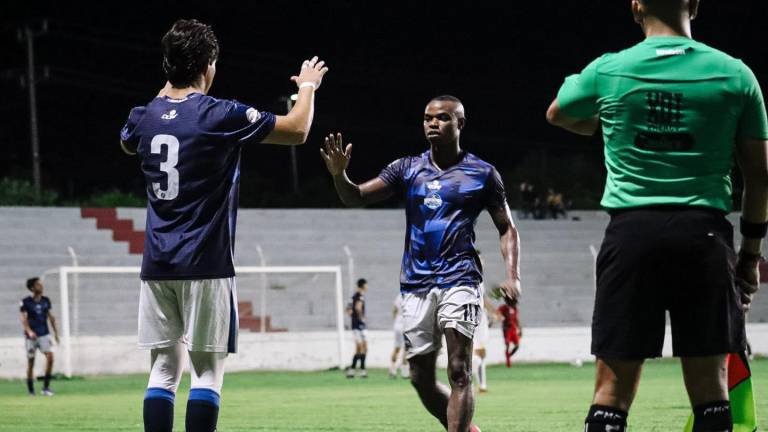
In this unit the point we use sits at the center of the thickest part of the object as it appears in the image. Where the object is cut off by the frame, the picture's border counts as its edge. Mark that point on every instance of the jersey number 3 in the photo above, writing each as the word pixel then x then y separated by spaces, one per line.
pixel 168 167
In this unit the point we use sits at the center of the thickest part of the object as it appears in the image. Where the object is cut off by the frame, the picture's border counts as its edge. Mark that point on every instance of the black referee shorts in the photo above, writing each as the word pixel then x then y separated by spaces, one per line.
pixel 657 259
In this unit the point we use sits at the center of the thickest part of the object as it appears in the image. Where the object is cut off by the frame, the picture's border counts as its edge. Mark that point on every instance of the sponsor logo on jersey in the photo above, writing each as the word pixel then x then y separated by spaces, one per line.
pixel 170 115
pixel 670 52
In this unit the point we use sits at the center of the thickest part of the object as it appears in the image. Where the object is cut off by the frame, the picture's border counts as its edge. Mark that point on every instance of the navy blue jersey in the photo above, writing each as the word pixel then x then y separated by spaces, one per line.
pixel 190 156
pixel 441 210
pixel 357 320
pixel 37 314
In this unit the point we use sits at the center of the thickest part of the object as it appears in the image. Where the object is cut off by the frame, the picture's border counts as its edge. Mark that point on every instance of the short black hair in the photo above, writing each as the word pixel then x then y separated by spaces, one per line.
pixel 446 98
pixel 449 98
pixel 31 282
pixel 361 282
pixel 188 48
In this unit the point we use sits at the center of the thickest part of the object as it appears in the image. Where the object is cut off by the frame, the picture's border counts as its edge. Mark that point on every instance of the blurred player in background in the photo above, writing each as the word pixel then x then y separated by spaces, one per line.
pixel 357 313
pixel 445 189
pixel 510 329
pixel 35 314
pixel 189 145
pixel 675 115
pixel 481 341
pixel 397 359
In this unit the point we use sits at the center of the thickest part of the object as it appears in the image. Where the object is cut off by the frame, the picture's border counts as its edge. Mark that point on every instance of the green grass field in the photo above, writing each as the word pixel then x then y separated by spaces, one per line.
pixel 524 398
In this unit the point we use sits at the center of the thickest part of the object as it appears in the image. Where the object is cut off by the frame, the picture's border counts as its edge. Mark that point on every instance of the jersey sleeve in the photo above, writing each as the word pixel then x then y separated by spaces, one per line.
pixel 239 122
pixel 495 196
pixel 129 139
pixel 22 306
pixel 754 122
pixel 578 94
pixel 394 173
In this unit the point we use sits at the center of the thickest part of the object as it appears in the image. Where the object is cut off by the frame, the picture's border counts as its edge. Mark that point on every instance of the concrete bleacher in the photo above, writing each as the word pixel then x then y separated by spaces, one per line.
pixel 557 265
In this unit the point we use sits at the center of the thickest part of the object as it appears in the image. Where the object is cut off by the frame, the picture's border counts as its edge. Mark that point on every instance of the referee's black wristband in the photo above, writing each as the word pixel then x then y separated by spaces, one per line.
pixel 753 230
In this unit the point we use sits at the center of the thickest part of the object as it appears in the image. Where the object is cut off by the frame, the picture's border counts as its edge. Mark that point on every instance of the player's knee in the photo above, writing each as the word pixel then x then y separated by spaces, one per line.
pixel 207 370
pixel 459 372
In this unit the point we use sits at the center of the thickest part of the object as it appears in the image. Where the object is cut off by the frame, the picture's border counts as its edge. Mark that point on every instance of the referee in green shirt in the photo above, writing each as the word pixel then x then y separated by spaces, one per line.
pixel 675 115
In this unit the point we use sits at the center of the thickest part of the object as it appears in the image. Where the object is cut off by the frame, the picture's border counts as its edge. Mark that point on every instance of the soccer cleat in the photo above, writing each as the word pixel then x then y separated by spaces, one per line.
pixel 474 428
pixel 350 373
pixel 47 392
pixel 362 374
pixel 482 390
pixel 32 394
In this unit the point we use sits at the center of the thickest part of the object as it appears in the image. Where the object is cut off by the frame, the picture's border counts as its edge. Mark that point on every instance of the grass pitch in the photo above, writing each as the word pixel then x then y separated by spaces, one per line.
pixel 524 398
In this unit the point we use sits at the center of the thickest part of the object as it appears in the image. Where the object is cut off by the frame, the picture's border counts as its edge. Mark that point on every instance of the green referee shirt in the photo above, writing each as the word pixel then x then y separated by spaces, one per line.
pixel 671 110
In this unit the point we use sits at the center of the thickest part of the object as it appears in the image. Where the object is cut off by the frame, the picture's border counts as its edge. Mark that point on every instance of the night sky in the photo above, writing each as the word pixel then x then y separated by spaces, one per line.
pixel 505 60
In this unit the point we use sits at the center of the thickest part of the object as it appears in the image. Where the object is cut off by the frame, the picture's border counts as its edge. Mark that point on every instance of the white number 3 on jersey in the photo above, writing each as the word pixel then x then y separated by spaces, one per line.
pixel 168 167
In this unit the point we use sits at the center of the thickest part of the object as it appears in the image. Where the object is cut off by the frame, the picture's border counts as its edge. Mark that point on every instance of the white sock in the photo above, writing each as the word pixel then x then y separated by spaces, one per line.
pixel 482 377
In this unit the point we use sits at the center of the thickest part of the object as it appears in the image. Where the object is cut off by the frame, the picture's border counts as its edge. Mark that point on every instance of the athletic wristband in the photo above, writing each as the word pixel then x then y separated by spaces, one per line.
pixel 308 84
pixel 753 230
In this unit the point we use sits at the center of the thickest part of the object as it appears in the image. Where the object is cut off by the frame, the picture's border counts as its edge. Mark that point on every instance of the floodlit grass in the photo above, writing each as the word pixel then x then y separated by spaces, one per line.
pixel 524 398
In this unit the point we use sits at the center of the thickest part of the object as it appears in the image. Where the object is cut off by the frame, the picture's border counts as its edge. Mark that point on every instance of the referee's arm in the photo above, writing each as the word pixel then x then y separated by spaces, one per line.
pixel 556 117
pixel 752 156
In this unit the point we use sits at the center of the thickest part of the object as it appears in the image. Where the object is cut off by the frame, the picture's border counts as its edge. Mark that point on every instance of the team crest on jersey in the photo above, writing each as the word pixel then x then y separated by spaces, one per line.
pixel 170 115
pixel 433 200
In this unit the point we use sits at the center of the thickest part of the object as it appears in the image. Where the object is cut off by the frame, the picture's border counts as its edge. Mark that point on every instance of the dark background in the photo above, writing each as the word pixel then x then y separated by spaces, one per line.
pixel 505 60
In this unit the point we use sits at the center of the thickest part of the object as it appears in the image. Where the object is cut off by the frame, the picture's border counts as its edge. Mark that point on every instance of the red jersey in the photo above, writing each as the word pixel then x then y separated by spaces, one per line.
pixel 509 315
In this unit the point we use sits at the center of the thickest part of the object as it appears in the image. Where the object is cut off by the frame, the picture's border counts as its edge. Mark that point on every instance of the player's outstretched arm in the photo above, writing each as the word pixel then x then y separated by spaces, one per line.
pixel 752 156
pixel 556 117
pixel 352 195
pixel 293 128
pixel 510 250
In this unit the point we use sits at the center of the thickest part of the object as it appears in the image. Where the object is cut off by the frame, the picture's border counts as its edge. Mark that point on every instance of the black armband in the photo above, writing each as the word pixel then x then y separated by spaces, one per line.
pixel 753 230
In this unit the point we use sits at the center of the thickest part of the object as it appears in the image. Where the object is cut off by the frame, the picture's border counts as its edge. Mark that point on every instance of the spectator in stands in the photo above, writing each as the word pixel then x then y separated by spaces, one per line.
pixel 35 314
pixel 555 204
pixel 528 200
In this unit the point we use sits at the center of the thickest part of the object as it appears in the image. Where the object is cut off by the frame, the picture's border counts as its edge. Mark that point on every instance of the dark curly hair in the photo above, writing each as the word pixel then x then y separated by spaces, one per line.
pixel 188 48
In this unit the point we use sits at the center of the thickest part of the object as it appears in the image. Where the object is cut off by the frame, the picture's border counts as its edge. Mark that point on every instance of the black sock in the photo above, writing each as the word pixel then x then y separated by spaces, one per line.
pixel 46 381
pixel 354 360
pixel 158 410
pixel 713 417
pixel 362 361
pixel 202 410
pixel 31 385
pixel 601 416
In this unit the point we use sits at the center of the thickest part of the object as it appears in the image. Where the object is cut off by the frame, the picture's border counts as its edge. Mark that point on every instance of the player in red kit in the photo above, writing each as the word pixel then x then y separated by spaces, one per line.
pixel 510 328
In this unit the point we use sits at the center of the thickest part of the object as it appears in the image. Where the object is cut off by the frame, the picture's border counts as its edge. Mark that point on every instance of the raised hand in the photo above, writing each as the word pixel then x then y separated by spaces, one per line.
pixel 336 159
pixel 312 71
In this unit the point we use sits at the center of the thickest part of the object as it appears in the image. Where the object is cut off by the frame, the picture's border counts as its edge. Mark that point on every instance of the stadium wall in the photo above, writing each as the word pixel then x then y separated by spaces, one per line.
pixel 95 355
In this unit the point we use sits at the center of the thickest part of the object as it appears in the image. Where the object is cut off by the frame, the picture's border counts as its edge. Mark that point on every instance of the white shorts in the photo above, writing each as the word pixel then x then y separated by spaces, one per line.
pixel 399 341
pixel 42 343
pixel 360 335
pixel 426 315
pixel 481 331
pixel 199 313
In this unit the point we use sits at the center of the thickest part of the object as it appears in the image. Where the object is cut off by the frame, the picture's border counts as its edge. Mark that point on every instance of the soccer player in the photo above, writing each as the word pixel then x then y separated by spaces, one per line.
pixel 397 359
pixel 510 329
pixel 357 312
pixel 189 145
pixel 35 314
pixel 675 114
pixel 445 189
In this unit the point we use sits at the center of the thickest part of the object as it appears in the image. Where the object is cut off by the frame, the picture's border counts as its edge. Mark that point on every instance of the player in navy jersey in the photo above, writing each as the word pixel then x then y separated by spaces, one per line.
pixel 357 313
pixel 189 145
pixel 35 314
pixel 445 189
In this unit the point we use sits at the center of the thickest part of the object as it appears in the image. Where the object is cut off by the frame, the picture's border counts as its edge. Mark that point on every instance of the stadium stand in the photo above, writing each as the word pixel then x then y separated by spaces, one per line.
pixel 556 263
